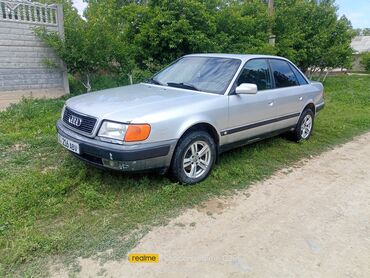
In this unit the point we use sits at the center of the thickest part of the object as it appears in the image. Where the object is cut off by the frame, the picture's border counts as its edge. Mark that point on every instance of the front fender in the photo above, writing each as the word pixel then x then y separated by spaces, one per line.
pixel 189 123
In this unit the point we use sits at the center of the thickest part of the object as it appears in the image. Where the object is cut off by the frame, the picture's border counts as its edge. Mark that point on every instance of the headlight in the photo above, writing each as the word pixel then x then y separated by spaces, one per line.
pixel 113 130
pixel 122 132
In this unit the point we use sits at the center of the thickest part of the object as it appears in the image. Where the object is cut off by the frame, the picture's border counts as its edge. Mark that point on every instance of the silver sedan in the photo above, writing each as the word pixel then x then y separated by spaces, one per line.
pixel 187 114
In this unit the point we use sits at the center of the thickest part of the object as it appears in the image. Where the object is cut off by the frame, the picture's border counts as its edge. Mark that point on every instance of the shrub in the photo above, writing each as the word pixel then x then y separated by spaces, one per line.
pixel 365 61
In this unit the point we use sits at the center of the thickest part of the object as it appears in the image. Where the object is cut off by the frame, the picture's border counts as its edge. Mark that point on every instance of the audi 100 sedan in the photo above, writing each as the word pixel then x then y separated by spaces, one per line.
pixel 187 114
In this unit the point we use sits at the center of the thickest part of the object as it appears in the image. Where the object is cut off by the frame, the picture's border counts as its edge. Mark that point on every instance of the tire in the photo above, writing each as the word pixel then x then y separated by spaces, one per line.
pixel 304 127
pixel 194 158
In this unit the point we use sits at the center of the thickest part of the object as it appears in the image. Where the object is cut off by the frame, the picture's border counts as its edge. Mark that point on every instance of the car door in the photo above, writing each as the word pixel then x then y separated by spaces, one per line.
pixel 288 94
pixel 250 114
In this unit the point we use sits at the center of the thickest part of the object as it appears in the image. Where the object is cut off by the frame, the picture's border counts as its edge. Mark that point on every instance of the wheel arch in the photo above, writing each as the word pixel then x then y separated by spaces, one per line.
pixel 202 126
pixel 310 105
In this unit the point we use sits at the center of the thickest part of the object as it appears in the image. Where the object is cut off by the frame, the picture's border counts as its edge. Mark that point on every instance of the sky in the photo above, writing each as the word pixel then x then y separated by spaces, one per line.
pixel 358 11
pixel 80 5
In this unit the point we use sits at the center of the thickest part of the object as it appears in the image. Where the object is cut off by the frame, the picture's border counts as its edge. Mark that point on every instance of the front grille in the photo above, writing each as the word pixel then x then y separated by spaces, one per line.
pixel 86 125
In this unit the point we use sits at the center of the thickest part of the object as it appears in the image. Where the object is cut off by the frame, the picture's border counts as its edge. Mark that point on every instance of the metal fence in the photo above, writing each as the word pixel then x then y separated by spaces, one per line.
pixel 27 11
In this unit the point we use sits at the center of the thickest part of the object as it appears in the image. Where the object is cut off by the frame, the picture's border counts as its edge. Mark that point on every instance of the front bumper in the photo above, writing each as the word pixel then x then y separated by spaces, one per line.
pixel 138 157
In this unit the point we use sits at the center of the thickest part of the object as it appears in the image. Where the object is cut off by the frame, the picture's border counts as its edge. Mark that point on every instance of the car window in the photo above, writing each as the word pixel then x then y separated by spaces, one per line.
pixel 301 79
pixel 283 75
pixel 256 72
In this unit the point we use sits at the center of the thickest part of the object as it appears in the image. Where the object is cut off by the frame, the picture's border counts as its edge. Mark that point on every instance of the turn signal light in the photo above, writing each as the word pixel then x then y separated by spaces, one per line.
pixel 136 133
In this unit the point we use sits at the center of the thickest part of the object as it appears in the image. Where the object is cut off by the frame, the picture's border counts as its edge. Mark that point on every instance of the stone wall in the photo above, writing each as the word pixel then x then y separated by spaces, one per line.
pixel 23 68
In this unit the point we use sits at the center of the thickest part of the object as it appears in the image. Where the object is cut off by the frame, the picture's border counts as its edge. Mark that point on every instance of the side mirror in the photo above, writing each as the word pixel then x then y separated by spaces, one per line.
pixel 246 88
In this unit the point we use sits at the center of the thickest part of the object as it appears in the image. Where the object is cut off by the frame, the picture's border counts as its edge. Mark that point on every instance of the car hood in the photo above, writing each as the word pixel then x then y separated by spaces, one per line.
pixel 129 103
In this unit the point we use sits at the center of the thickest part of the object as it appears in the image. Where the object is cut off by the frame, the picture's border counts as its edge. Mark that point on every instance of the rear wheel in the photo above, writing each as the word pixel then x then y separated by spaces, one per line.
pixel 304 126
pixel 193 158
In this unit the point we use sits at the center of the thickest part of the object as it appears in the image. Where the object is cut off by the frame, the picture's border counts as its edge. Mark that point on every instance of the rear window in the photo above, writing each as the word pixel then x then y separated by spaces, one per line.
pixel 283 74
pixel 300 78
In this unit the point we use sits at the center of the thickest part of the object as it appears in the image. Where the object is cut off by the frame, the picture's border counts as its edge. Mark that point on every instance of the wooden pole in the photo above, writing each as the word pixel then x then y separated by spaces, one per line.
pixel 271 7
pixel 271 14
pixel 60 22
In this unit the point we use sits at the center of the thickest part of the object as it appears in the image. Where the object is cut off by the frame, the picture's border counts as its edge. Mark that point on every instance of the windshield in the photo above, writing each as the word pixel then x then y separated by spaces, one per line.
pixel 208 74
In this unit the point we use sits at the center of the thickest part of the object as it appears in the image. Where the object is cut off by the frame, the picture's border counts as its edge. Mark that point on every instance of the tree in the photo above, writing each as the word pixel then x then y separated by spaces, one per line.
pixel 138 37
pixel 165 30
pixel 362 32
pixel 311 35
pixel 155 33
pixel 366 32
pixel 365 61
pixel 86 47
pixel 243 27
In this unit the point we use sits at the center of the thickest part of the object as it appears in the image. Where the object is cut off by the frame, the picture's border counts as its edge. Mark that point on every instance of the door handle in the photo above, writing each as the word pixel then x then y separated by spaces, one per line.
pixel 300 98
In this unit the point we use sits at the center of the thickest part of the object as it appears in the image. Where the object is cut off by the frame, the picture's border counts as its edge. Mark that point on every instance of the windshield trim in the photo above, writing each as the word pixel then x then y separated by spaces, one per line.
pixel 200 56
pixel 180 89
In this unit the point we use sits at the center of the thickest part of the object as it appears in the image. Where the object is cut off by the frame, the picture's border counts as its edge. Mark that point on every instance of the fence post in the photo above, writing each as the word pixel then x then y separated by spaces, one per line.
pixel 60 22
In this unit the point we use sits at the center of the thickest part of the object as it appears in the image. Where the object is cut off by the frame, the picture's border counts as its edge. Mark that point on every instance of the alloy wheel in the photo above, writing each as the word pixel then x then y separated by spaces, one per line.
pixel 306 126
pixel 197 159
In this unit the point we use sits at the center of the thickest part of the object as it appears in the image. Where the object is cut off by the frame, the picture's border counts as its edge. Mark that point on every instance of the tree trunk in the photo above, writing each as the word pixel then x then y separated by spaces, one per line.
pixel 130 78
pixel 326 75
pixel 87 83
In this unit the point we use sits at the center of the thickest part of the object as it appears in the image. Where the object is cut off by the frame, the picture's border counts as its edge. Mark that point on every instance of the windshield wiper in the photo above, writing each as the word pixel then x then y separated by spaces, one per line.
pixel 156 82
pixel 183 85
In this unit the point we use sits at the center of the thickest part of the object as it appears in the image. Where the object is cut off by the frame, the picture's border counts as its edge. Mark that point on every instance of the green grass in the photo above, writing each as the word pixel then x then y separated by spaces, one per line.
pixel 52 206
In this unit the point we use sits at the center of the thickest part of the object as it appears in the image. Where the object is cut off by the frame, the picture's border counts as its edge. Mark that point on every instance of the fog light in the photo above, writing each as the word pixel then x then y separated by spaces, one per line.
pixel 118 165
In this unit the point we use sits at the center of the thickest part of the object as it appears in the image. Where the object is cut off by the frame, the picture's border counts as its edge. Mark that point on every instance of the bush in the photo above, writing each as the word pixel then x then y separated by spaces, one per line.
pixel 365 61
pixel 98 82
pixel 128 40
pixel 106 81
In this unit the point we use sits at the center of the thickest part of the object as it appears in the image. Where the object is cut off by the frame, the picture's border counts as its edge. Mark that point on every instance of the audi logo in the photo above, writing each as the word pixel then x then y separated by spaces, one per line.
pixel 73 120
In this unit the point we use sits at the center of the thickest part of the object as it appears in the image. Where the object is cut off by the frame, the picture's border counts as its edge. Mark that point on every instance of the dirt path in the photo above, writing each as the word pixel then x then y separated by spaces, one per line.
pixel 311 220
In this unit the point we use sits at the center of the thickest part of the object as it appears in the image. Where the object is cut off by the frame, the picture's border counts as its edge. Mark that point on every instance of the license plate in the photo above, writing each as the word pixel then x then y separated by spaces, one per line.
pixel 68 144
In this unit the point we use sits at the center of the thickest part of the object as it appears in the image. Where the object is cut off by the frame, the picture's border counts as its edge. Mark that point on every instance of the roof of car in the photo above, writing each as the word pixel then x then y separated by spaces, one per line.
pixel 243 57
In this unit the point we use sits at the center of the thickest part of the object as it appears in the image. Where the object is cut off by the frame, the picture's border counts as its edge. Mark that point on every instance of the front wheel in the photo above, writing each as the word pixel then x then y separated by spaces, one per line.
pixel 193 158
pixel 304 126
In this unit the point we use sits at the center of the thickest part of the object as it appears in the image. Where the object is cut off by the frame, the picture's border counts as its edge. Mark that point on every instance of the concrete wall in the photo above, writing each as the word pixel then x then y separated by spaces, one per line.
pixel 23 71
pixel 356 64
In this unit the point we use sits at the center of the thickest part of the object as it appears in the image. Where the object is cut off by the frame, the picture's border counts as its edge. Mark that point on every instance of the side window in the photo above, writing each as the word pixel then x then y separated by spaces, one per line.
pixel 301 79
pixel 256 72
pixel 283 75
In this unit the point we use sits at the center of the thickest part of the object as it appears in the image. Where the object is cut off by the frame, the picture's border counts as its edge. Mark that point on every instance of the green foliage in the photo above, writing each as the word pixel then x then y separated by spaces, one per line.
pixel 311 35
pixel 86 47
pixel 366 32
pixel 362 32
pixel 100 82
pixel 164 30
pixel 243 27
pixel 52 205
pixel 365 61
pixel 132 39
